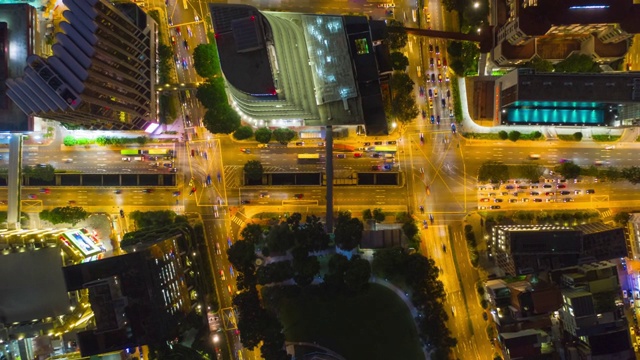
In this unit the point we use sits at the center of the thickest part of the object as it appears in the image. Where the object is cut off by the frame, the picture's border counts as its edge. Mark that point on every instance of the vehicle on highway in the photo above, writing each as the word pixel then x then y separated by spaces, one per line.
pixel 565 192
pixel 387 5
pixel 245 202
pixel 422 135
pixel 357 155
pixel 510 187
pixel 298 196
pixel 534 156
pixel 341 156
pixel 577 192
pixel 439 63
pixel 549 193
pixel 193 190
pixel 494 207
pixel 513 200
pixel 197 18
pixel 264 195
pixel 448 93
pixel 377 143
pixel 438 119
pixel 173 40
pixel 215 211
pixel 267 145
pixel 222 277
pixel 178 31
pixel 71 202
pixel 433 78
pixel 421 209
pixel 567 200
pixel 485 200
pixel 601 162
pixel 425 225
pixel 433 119
pixel 439 77
pixel 185 44
pixel 118 191
pixel 176 193
pixel 208 180
pixel 443 102
pixel 189 31
pixel 375 167
pixel 537 200
pixel 431 218
pixel 547 186
pixel 437 50
pixel 430 93
pixel 147 191
pixel 246 151
pixel 561 186
pixel 421 91
pixel 231 272
pixel 126 159
pixel 525 200
pixel 430 48
pixel 65 160
pixel 498 200
pixel 185 64
pixel 609 147
pixel 45 191
pixel 444 63
pixel 430 62
pixel 229 289
pixel 33 196
pixel 590 191
pixel 229 242
pixel 391 142
pixel 534 193
pixel 367 144
pixel 170 21
pixel 300 143
pixel 435 92
pixel 218 249
pixel 121 213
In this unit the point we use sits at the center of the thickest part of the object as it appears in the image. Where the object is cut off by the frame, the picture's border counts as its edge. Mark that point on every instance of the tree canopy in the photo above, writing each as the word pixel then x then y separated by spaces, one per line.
pixel 493 172
pixel 283 135
pixel 243 132
pixel 402 104
pixel 569 170
pixel 253 170
pixel 148 219
pixel 61 215
pixel 396 35
pixel 205 60
pixel 399 61
pixel 539 64
pixel 578 63
pixel 221 120
pixel 348 231
pixel 46 172
pixel 263 135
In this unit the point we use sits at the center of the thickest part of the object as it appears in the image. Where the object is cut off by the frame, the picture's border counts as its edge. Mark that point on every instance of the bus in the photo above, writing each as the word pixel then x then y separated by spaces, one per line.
pixel 129 152
pixel 383 148
pixel 309 158
pixel 158 151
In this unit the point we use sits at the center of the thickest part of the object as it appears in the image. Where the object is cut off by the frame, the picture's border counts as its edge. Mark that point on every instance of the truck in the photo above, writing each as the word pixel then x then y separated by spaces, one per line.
pixel 343 147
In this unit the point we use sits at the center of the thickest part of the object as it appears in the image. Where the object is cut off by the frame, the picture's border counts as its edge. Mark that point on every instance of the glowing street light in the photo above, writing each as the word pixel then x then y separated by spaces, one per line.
pixel 476 5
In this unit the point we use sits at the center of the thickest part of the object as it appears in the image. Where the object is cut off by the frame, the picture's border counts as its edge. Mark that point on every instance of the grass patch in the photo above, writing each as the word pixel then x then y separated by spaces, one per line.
pixel 605 137
pixel 457 106
pixel 482 136
pixel 567 138
pixel 374 325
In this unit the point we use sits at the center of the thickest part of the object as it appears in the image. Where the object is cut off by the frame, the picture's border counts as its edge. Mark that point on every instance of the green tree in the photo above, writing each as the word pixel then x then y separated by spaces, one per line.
pixel 280 238
pixel 69 141
pixel 514 135
pixel 457 66
pixel 396 35
pixel 367 215
pixel 410 229
pixel 540 65
pixel 399 61
pixel 631 174
pixel 253 170
pixel 211 93
pixel 243 132
pixel 622 218
pixel 205 60
pixel 242 256
pixel 284 136
pixel 493 172
pixel 577 63
pixel 503 135
pixel 611 174
pixel 64 215
pixel 221 120
pixel 348 231
pixel 356 278
pixel 577 136
pixel 379 215
pixel 46 172
pixel 454 48
pixel 402 104
pixel 569 170
pixel 263 135
pixel 530 171
pixel 252 233
pixel 305 268
pixel 152 219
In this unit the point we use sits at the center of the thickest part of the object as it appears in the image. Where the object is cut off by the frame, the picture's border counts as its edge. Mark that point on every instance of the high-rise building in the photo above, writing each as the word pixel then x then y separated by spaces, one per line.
pixel 291 69
pixel 553 30
pixel 102 74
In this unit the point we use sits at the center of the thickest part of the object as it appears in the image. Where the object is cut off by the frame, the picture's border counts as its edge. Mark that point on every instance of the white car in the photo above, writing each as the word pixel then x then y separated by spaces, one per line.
pixel 387 5
pixel 609 147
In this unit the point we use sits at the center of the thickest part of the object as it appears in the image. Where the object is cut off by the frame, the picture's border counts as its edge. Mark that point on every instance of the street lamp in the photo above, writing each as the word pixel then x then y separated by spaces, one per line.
pixel 476 5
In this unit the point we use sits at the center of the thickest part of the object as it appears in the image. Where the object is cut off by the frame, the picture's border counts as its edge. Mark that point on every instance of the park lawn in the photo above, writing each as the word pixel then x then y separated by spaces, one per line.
pixel 375 325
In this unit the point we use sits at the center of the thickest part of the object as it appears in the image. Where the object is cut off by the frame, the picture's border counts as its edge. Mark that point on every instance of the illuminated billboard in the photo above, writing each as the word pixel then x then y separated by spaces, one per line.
pixel 83 243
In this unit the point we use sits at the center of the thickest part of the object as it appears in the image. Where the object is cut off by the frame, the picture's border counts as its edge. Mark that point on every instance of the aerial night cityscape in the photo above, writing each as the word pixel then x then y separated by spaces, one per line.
pixel 320 179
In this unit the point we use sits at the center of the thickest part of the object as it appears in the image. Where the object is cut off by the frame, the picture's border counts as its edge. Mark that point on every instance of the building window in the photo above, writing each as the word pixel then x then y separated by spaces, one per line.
pixel 362 46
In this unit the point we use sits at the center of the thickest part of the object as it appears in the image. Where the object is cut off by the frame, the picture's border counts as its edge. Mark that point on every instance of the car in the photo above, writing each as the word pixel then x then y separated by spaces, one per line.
pixel 245 202
pixel 561 186
pixel 222 277
pixel 430 48
pixel 590 191
pixel 197 18
pixel 525 200
pixel 177 29
pixel 121 213
pixel 430 62
pixel 126 159
pixel 424 114
pixel 549 193
pixel 498 200
pixel 494 207
pixel 567 200
pixel 300 143
pixel 45 191
pixel 192 191
pixel 430 91
pixel 185 64
pixel 189 31
pixel 433 78
pixel 376 155
pixel 601 162
pixel 185 44
pixel 66 160
pixel 448 93
pixel 376 167
pixel 377 143
pixel 433 119
pixel 367 144
pixel 577 192
pixel 563 160
pixel 298 196
pixel 513 201
pixel 264 195
pixel 482 207
pixel 229 289
pixel 492 194
pixel 421 90
pixel 425 225
pixel 609 147
pixel 421 209
pixel 439 63
pixel 435 92
pixel 443 102
pixel 485 200
pixel 510 187
pixel 218 251
pixel 523 187
pixel 341 156
pixel 547 186
pixel 505 193
pixel 422 137
pixel 267 145
pixel 357 155
pixel 193 152
pixel 170 21
pixel 439 77
pixel 534 193
pixel 444 63
pixel 71 202
pixel 118 192
pixel 231 272
pixel 387 5
pixel 147 191
pixel 437 50
pixel 565 192
pixel 173 40
pixel 392 142
pixel 246 151
pixel 438 119
pixel 550 200
pixel 33 196
pixel 537 200
pixel 176 193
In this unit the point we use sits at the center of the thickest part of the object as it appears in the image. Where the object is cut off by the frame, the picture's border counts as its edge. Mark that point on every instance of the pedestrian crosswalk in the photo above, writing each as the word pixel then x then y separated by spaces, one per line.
pixel 605 213
pixel 237 220
pixel 232 176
